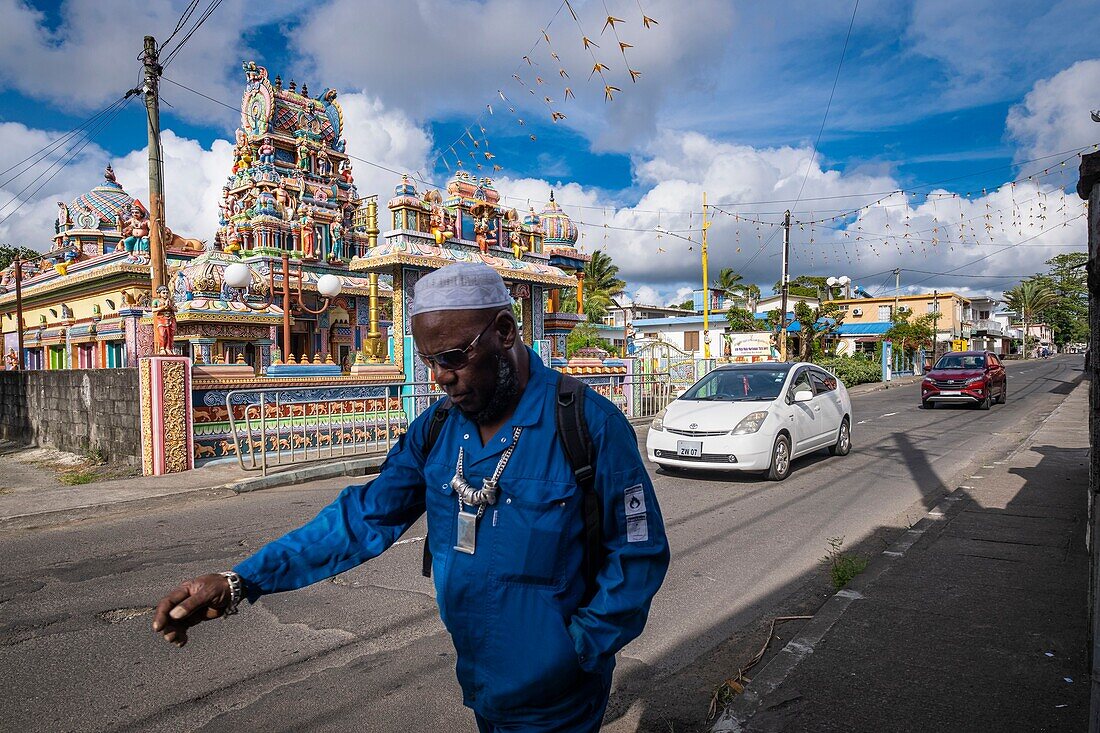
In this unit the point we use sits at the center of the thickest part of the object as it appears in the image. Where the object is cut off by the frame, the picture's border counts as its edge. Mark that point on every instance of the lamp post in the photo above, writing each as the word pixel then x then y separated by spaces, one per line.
pixel 239 276
pixel 840 282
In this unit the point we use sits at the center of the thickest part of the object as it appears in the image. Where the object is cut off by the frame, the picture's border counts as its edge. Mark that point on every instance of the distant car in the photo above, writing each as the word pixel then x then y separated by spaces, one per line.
pixel 753 417
pixel 965 377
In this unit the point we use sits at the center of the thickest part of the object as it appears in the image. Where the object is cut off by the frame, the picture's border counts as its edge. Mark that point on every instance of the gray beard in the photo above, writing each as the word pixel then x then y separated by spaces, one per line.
pixel 504 391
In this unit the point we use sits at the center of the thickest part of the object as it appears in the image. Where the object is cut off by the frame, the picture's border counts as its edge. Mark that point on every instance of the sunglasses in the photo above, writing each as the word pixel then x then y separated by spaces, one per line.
pixel 454 359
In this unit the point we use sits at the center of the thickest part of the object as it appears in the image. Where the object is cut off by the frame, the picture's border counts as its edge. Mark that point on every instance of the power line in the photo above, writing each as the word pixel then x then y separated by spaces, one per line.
pixel 184 17
pixel 828 106
pixel 73 151
pixel 198 24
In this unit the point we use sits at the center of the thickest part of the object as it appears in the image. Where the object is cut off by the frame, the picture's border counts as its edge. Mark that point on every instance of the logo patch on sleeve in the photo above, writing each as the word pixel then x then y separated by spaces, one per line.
pixel 637 529
pixel 634 500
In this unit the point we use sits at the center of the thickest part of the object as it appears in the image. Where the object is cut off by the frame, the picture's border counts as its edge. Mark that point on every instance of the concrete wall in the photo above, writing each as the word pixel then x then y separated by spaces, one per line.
pixel 73 410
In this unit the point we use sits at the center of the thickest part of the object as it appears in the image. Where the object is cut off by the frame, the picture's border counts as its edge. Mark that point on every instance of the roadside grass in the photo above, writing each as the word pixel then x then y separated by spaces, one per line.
pixel 842 566
pixel 75 478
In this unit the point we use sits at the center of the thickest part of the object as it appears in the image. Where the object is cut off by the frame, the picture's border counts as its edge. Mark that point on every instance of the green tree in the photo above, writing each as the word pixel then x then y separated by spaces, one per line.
pixel 1030 299
pixel 909 333
pixel 8 253
pixel 688 305
pixel 815 325
pixel 584 335
pixel 601 284
pixel 811 286
pixel 1068 314
pixel 741 319
pixel 728 282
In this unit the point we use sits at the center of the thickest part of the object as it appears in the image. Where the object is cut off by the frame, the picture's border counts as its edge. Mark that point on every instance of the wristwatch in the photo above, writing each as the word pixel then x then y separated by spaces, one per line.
pixel 236 588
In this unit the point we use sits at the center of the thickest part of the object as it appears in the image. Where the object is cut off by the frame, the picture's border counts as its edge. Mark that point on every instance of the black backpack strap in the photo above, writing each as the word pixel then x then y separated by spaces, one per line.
pixel 579 450
pixel 435 428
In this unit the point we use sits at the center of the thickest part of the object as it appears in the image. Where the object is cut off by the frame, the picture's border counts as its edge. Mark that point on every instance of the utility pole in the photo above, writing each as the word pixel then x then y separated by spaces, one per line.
pixel 897 288
pixel 158 267
pixel 19 310
pixel 785 286
pixel 706 285
pixel 935 320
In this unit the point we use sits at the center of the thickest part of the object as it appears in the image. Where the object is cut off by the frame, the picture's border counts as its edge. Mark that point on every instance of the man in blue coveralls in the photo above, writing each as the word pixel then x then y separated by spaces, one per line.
pixel 535 647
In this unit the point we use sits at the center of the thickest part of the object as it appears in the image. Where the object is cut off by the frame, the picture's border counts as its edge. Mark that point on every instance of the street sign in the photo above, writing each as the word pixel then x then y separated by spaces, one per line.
pixel 958 345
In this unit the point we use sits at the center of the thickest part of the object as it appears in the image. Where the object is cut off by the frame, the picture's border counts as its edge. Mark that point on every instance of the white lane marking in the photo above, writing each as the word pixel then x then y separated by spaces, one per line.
pixel 408 541
pixel 889 414
pixel 977 476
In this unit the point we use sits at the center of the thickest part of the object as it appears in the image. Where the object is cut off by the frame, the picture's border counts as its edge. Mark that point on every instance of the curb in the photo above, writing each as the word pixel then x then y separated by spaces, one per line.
pixel 353 467
pixel 57 517
pixel 738 713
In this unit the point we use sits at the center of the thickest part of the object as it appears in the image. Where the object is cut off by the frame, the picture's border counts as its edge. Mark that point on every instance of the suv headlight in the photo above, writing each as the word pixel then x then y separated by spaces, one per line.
pixel 751 423
pixel 658 421
pixel 976 380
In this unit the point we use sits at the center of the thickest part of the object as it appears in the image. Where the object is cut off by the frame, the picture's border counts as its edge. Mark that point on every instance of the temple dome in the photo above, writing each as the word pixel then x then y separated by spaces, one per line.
pixel 105 202
pixel 558 229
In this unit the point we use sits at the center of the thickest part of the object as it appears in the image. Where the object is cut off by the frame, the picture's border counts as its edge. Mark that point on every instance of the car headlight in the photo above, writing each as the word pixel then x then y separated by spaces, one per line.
pixel 975 380
pixel 658 421
pixel 751 423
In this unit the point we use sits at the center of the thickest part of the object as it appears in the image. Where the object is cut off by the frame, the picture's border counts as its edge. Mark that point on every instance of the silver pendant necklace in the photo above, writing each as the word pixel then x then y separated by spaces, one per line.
pixel 466 540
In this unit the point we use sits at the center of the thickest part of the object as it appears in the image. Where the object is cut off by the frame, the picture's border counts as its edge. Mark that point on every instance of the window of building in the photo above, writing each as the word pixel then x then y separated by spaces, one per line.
pixel 865 347
pixel 884 312
pixel 691 341
pixel 934 306
pixel 649 335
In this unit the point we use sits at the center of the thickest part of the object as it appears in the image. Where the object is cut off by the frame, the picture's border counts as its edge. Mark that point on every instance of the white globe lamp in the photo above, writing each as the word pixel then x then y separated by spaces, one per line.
pixel 329 286
pixel 832 282
pixel 238 275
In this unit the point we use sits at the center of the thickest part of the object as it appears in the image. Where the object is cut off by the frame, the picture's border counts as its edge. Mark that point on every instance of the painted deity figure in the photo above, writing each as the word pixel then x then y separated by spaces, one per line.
pixel 309 236
pixel 136 242
pixel 303 156
pixel 62 215
pixel 517 244
pixel 345 172
pixel 438 223
pixel 282 198
pixel 336 233
pixel 324 164
pixel 164 322
pixel 267 151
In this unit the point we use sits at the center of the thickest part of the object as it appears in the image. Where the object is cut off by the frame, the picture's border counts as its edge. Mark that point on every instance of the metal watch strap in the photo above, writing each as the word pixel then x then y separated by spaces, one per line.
pixel 236 591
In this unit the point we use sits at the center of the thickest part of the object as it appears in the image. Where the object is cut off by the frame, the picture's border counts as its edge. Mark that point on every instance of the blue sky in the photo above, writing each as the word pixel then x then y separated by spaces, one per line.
pixel 730 100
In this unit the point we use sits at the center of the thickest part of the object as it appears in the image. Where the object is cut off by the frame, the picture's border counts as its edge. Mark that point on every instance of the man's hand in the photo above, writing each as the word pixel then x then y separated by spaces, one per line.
pixel 191 602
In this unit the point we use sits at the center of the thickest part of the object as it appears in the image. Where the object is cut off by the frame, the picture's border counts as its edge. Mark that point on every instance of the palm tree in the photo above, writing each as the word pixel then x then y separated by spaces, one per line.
pixel 728 281
pixel 1030 298
pixel 601 284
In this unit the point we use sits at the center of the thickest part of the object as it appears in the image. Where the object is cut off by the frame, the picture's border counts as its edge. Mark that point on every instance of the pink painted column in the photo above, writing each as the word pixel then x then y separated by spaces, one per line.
pixel 167 443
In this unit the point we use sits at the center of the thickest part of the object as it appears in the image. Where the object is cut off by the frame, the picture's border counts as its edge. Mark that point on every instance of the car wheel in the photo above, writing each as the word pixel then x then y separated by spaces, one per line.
pixel 926 405
pixel 984 404
pixel 1003 398
pixel 781 459
pixel 843 444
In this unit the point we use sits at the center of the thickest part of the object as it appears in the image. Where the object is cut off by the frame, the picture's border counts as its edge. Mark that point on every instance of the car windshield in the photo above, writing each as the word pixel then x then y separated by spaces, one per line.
pixel 961 361
pixel 739 385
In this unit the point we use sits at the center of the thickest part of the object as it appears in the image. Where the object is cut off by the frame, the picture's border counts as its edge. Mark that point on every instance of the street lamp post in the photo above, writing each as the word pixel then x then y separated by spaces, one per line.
pixel 840 282
pixel 239 276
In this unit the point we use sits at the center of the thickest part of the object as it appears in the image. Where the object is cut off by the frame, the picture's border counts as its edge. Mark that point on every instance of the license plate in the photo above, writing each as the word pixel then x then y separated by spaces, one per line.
pixel 950 392
pixel 690 448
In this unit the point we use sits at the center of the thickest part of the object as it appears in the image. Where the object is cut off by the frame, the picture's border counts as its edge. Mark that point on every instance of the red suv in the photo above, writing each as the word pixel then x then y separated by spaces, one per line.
pixel 965 377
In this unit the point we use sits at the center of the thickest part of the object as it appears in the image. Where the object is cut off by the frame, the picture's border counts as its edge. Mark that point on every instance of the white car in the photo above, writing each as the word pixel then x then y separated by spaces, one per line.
pixel 753 417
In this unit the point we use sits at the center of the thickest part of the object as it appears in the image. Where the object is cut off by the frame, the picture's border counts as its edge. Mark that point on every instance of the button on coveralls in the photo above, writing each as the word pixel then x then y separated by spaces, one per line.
pixel 530 656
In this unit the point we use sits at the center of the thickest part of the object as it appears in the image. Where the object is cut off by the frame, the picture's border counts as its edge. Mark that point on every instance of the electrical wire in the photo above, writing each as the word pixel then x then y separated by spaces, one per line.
pixel 73 151
pixel 184 17
pixel 198 24
pixel 828 106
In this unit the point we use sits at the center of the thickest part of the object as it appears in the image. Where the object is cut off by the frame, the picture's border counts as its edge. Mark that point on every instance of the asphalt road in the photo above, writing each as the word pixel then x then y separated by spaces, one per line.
pixel 367 651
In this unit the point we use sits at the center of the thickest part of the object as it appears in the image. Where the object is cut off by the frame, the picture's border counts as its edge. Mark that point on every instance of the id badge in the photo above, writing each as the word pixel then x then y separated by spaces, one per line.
pixel 467 532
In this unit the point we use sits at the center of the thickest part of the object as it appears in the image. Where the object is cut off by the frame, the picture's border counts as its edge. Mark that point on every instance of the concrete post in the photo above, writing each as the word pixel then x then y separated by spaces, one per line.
pixel 1088 188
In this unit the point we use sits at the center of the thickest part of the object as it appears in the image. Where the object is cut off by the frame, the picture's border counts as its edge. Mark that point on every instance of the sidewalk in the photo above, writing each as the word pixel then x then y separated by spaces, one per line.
pixel 32 497
pixel 974 620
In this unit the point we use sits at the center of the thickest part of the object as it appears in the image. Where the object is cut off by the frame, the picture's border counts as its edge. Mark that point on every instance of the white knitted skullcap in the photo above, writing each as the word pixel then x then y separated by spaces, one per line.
pixel 461 286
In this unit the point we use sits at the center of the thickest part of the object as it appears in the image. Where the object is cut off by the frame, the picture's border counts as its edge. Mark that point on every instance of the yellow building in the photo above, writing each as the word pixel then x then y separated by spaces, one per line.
pixel 866 319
